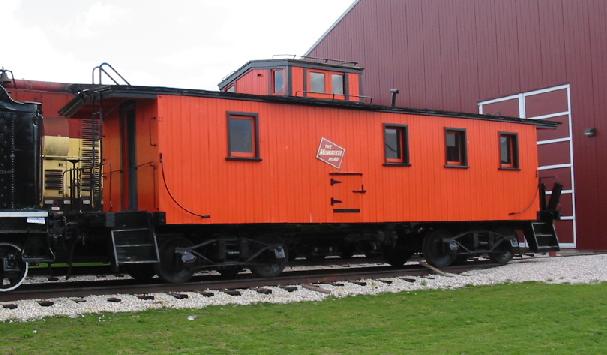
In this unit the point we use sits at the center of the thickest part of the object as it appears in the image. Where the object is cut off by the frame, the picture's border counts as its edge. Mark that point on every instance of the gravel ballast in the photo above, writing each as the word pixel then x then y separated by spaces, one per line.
pixel 574 269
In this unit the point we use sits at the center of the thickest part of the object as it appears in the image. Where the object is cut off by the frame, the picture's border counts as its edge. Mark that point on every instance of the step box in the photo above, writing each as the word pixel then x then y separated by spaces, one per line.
pixel 545 238
pixel 134 246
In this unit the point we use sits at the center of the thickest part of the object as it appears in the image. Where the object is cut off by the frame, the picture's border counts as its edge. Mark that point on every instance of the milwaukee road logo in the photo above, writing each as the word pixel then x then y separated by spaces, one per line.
pixel 330 153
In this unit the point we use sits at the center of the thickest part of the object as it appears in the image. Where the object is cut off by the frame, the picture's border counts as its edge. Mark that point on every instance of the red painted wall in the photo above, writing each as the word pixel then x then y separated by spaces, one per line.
pixel 260 82
pixel 115 180
pixel 52 96
pixel 290 185
pixel 449 55
pixel 255 81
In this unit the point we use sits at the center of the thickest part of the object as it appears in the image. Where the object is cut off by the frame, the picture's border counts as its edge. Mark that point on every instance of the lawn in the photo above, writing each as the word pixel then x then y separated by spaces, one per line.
pixel 514 318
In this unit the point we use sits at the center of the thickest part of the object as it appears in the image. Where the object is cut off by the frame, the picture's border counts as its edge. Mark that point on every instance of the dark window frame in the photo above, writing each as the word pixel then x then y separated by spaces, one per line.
pixel 463 162
pixel 243 156
pixel 324 82
pixel 404 143
pixel 513 150
pixel 273 81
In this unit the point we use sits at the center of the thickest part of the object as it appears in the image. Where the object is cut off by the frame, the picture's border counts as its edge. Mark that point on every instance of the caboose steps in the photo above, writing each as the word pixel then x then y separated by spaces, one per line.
pixel 134 245
pixel 543 237
pixel 133 237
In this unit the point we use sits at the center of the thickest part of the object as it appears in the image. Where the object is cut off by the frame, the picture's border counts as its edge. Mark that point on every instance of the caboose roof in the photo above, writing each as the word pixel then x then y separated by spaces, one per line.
pixel 91 97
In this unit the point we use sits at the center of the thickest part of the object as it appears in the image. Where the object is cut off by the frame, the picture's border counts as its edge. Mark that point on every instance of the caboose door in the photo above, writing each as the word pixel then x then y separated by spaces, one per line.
pixel 129 157
pixel 347 191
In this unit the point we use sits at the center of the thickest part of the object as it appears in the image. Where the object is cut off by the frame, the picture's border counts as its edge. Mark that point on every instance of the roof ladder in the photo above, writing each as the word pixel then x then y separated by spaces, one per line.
pixel 108 70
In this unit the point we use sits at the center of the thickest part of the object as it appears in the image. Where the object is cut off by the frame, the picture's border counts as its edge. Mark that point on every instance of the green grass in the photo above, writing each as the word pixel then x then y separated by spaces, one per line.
pixel 514 318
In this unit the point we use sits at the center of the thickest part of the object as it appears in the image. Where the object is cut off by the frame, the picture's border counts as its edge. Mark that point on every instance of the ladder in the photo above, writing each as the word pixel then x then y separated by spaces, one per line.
pixel 542 237
pixel 90 162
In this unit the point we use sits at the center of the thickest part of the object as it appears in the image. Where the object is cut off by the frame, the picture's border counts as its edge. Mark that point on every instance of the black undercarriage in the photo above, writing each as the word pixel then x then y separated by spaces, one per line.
pixel 141 244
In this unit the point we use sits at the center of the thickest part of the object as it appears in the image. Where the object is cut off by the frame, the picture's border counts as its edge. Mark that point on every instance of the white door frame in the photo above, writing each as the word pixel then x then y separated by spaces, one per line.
pixel 521 97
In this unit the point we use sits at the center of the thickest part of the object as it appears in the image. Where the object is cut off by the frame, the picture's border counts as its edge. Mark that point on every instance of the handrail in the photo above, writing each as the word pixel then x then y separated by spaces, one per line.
pixel 100 69
pixel 332 96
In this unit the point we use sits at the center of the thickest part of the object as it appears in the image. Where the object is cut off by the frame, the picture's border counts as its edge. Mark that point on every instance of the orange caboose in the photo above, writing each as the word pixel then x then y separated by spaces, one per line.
pixel 243 180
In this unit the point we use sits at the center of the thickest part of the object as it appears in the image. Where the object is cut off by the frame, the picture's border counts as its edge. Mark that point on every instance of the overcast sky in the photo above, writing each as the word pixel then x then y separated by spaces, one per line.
pixel 191 44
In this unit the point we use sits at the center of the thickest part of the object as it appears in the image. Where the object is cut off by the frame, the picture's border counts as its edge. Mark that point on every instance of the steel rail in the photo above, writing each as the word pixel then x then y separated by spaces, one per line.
pixel 78 289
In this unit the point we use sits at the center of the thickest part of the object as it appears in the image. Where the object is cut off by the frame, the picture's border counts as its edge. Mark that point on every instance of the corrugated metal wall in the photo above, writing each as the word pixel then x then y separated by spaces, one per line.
pixel 451 54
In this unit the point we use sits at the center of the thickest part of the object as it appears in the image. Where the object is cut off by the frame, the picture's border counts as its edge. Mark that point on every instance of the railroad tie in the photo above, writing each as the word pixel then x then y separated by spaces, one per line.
pixel 316 288
pixel 436 270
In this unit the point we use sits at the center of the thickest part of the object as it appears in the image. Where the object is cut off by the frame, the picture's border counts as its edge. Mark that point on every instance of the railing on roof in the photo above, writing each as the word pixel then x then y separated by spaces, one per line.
pixel 101 69
pixel 336 97
pixel 310 59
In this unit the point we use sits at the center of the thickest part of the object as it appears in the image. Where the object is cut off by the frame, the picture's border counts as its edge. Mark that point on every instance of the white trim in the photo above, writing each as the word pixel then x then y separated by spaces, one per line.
pixel 561 245
pixel 500 99
pixel 324 35
pixel 568 88
pixel 521 97
pixel 23 214
pixel 557 140
pixel 555 166
pixel 546 90
pixel 552 115
pixel 564 192
pixel 522 108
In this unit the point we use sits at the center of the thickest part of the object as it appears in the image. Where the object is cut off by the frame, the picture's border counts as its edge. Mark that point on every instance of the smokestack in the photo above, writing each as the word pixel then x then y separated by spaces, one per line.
pixel 394 92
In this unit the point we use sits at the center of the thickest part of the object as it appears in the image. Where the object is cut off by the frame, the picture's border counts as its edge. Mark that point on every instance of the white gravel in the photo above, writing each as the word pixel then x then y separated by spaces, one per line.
pixel 574 269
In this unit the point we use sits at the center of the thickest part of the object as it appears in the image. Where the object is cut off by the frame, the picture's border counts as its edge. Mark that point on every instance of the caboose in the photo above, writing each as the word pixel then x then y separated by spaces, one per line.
pixel 194 179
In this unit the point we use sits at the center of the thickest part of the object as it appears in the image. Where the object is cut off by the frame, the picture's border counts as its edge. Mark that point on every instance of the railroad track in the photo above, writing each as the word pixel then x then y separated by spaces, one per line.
pixel 204 283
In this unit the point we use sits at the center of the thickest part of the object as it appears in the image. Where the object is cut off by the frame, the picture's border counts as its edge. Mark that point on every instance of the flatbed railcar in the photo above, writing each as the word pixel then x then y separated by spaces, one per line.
pixel 191 179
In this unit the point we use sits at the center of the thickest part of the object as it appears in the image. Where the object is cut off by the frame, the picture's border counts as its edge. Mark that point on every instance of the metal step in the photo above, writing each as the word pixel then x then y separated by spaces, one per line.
pixel 543 237
pixel 134 246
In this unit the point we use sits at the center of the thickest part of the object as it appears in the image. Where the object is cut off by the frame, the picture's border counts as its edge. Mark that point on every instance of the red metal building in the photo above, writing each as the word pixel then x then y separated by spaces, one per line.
pixel 536 59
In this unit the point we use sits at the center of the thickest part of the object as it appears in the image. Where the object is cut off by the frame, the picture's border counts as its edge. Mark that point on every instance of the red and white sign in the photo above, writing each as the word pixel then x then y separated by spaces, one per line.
pixel 330 153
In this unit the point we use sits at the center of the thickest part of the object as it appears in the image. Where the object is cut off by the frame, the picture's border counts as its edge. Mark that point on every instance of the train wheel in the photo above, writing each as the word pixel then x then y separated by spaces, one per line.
pixel 171 268
pixel 503 253
pixel 436 251
pixel 141 272
pixel 270 263
pixel 347 251
pixel 229 272
pixel 13 269
pixel 399 254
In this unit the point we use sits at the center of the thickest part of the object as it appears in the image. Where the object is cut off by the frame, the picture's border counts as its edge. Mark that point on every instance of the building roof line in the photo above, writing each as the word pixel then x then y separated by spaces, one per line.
pixel 324 35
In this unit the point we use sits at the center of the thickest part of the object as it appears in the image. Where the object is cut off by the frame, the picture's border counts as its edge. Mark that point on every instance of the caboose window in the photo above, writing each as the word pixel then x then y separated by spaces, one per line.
pixel 508 150
pixel 243 140
pixel 455 148
pixel 317 82
pixel 337 84
pixel 396 145
pixel 279 81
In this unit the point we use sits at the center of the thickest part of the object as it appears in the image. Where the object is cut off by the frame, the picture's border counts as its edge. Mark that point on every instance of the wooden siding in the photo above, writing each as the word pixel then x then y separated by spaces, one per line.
pixel 289 185
pixel 115 180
